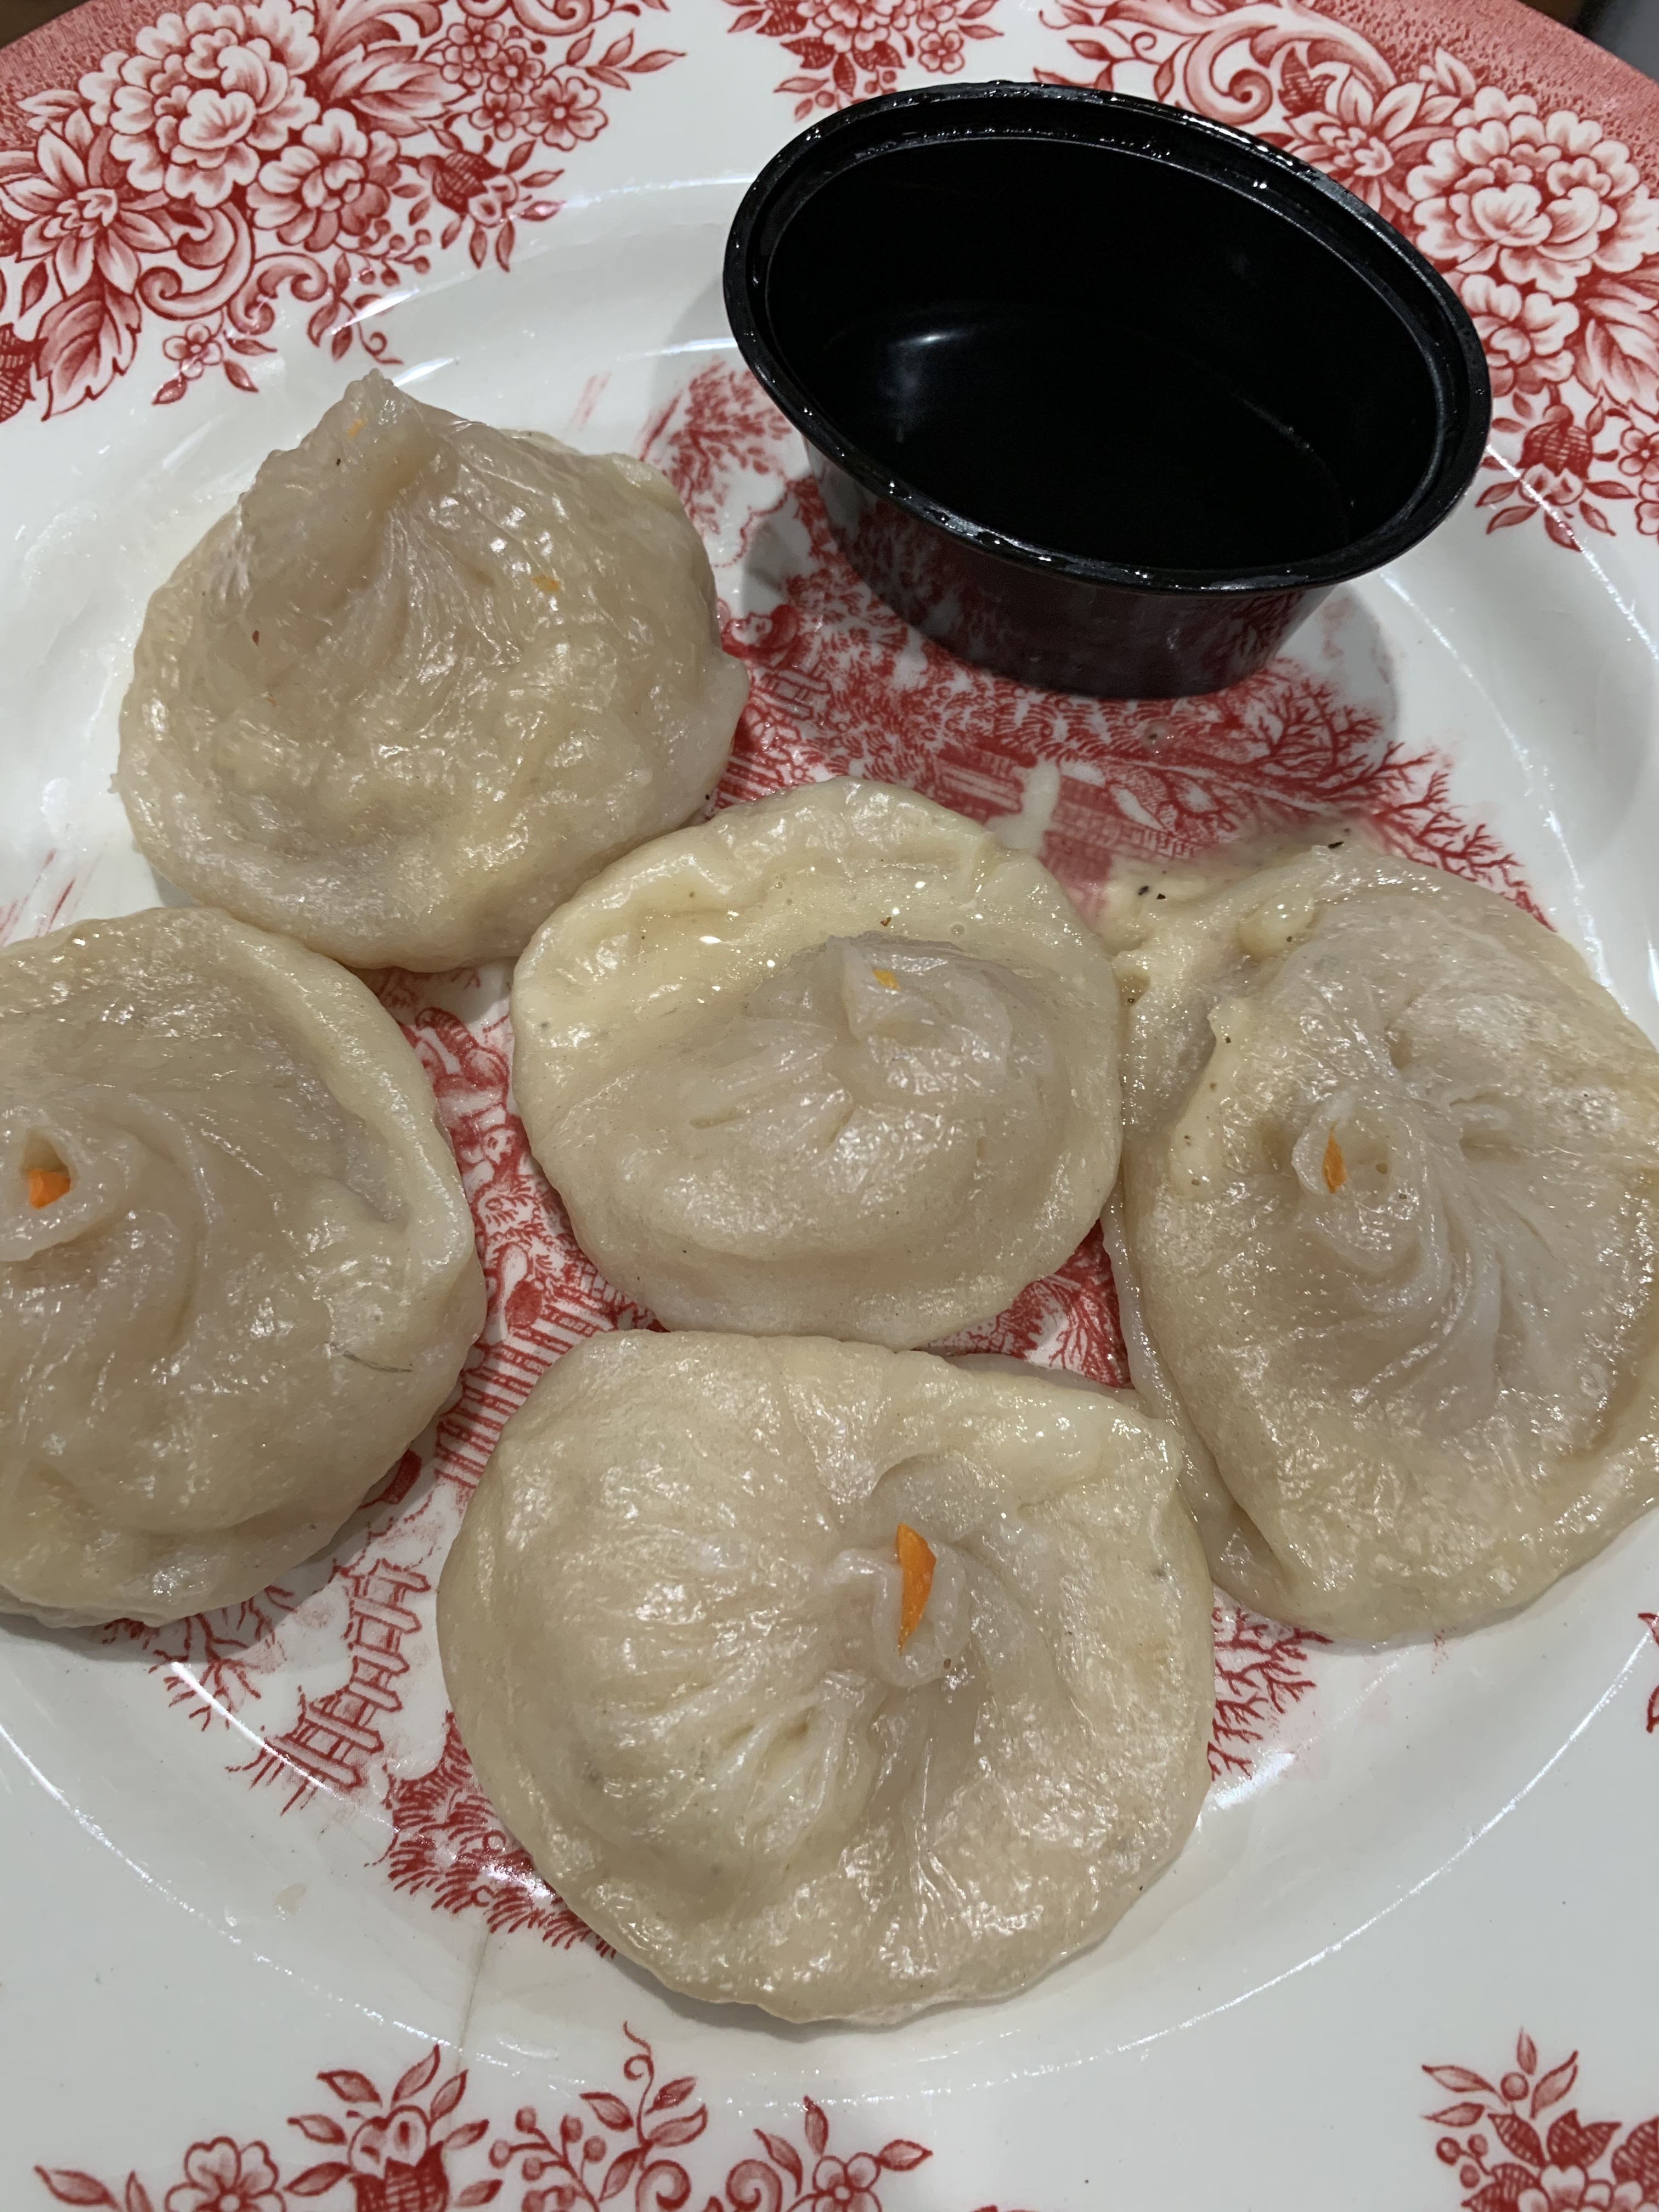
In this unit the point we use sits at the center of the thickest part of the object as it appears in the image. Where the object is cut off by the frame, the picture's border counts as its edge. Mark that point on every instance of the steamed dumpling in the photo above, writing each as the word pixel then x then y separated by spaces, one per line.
pixel 836 1062
pixel 424 679
pixel 237 1272
pixel 1391 1207
pixel 671 1630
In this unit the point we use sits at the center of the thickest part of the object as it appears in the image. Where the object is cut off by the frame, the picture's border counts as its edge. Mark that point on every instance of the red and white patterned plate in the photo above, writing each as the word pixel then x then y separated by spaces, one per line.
pixel 262 1945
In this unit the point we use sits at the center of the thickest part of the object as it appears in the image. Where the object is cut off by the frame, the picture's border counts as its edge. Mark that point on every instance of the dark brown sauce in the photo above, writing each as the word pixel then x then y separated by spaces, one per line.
pixel 1107 444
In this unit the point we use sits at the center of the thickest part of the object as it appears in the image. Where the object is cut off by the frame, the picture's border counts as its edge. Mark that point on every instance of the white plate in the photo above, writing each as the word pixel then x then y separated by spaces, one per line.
pixel 244 1854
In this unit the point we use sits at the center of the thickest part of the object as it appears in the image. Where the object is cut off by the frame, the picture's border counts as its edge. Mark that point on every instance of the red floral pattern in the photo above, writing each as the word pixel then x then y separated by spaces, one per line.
pixel 209 1662
pixel 1536 214
pixel 222 2176
pixel 1261 1672
pixel 849 50
pixel 447 1844
pixel 1509 2159
pixel 838 683
pixel 1069 1320
pixel 579 2165
pixel 330 150
pixel 544 1293
pixel 238 150
pixel 254 155
pixel 405 2153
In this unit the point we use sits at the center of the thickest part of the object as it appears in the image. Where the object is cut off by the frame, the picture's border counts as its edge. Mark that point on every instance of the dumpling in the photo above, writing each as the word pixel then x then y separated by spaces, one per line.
pixel 1390 1232
pixel 674 1630
pixel 237 1271
pixel 424 679
pixel 836 1062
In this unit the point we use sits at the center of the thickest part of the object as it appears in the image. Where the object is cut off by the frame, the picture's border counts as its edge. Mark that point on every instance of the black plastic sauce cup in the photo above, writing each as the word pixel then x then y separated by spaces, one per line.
pixel 1096 392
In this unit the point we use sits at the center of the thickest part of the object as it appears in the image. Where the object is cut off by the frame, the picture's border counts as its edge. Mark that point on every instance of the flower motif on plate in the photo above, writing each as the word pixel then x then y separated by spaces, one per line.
pixel 849 50
pixel 401 2153
pixel 1535 215
pixel 237 151
pixel 1509 2158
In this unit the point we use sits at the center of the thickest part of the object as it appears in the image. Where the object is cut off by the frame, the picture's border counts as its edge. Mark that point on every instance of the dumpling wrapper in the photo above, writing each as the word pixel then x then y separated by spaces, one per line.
pixel 1388 1243
pixel 258 1286
pixel 423 679
pixel 837 1062
pixel 670 1629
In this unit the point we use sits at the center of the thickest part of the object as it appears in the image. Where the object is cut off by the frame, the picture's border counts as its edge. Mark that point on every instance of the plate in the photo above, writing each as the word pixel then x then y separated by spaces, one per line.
pixel 263 1945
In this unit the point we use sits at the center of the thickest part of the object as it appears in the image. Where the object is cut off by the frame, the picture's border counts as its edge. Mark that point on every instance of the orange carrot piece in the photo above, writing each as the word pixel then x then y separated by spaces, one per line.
pixel 1336 1168
pixel 916 1559
pixel 46 1185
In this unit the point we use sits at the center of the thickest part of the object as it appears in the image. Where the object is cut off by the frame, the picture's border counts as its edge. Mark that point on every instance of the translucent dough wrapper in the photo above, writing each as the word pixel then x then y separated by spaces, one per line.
pixel 257 1282
pixel 835 1062
pixel 1387 1238
pixel 670 1629
pixel 423 680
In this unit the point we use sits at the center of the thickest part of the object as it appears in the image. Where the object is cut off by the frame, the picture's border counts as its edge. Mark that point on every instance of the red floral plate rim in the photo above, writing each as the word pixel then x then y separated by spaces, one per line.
pixel 175 181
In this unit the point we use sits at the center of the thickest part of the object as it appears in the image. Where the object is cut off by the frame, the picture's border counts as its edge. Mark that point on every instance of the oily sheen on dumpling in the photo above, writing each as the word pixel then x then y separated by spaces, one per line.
pixel 1391 1213
pixel 423 680
pixel 670 1631
pixel 237 1272
pixel 833 1062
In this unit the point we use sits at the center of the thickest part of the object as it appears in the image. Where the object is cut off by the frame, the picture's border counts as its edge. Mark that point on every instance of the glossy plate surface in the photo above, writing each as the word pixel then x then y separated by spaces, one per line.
pixel 247 1885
